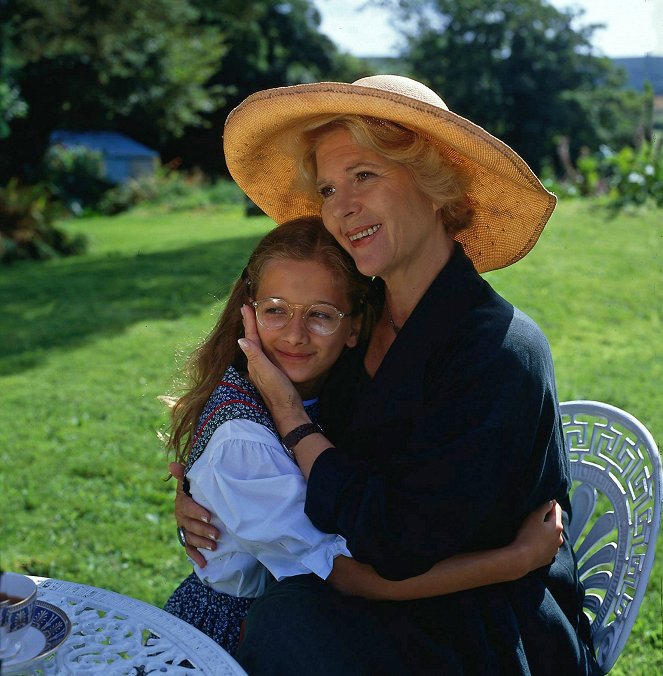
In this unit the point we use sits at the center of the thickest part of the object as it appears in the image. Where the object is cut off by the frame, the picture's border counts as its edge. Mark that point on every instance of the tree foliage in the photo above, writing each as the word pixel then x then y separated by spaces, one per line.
pixel 520 69
pixel 270 43
pixel 12 106
pixel 138 66
pixel 166 72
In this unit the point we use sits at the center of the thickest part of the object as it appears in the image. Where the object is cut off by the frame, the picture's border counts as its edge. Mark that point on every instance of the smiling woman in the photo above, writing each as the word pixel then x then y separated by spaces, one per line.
pixel 386 141
pixel 443 429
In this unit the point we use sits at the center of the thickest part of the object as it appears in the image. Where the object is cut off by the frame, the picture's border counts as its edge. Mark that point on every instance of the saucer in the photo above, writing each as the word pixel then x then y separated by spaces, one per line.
pixel 50 628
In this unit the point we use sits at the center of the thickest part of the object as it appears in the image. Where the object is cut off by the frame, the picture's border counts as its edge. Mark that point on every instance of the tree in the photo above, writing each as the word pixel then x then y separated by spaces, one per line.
pixel 11 104
pixel 270 43
pixel 166 72
pixel 521 70
pixel 137 66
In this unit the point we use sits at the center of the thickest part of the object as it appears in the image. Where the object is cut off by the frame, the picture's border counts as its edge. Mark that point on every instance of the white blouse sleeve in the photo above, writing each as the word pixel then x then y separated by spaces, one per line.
pixel 257 493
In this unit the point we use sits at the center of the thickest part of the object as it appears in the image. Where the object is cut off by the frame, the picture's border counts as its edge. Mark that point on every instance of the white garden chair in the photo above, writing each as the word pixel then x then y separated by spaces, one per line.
pixel 616 506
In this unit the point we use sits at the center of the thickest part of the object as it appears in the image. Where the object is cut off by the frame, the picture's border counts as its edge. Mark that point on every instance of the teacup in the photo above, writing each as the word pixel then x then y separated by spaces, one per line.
pixel 18 598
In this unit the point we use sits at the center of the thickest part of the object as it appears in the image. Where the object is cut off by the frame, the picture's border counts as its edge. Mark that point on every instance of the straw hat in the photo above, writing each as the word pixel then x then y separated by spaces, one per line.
pixel 511 206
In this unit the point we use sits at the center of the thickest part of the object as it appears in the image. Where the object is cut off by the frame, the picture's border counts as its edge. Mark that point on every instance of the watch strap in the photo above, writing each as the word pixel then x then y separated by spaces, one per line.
pixel 293 437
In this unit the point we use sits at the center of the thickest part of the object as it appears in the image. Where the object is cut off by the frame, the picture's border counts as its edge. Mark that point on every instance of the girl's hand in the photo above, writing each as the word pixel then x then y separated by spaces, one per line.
pixel 199 533
pixel 540 536
pixel 277 391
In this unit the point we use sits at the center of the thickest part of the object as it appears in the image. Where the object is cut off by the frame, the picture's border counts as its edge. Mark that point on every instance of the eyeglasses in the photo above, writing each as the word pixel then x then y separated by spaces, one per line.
pixel 320 318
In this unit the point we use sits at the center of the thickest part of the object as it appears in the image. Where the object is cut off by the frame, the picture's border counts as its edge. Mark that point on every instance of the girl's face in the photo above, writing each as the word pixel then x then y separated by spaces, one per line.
pixel 305 357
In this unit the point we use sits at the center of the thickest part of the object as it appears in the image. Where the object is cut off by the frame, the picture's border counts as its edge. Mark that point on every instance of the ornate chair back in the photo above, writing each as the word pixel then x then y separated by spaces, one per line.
pixel 616 513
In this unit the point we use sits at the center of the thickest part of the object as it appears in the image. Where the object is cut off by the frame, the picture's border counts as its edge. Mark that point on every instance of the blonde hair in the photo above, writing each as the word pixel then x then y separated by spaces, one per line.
pixel 302 239
pixel 434 175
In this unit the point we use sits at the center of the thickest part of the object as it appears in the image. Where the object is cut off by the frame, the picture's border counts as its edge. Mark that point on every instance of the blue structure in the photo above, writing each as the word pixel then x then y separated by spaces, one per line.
pixel 123 158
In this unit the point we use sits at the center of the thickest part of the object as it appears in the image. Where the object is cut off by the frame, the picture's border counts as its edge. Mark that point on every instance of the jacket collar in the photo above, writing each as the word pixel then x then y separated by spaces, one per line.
pixel 399 380
pixel 456 289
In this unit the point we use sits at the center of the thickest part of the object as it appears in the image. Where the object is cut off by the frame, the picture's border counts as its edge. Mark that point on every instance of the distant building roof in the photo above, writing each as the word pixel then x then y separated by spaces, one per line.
pixel 110 143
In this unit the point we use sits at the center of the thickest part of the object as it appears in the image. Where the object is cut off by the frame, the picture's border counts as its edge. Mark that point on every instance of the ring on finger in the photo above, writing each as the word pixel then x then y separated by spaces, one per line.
pixel 181 536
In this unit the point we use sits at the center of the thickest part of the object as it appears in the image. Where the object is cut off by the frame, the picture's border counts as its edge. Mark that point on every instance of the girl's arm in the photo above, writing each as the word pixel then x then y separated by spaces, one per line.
pixel 535 545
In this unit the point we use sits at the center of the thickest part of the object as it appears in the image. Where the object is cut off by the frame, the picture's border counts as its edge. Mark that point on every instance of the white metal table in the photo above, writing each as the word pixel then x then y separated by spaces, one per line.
pixel 117 635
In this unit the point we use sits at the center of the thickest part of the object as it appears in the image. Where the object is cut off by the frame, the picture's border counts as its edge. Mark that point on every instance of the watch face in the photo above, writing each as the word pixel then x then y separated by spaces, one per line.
pixel 290 453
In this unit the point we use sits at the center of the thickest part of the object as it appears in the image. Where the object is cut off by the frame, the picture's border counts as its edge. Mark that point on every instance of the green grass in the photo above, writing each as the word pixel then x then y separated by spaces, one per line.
pixel 88 343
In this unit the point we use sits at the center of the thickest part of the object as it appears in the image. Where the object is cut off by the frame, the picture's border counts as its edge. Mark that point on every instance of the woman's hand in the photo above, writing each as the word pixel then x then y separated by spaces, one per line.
pixel 540 536
pixel 277 391
pixel 194 519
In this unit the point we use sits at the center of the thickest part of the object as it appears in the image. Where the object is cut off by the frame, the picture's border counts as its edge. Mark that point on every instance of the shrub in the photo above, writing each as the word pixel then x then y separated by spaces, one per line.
pixel 561 187
pixel 589 174
pixel 26 225
pixel 630 177
pixel 635 176
pixel 76 176
pixel 172 189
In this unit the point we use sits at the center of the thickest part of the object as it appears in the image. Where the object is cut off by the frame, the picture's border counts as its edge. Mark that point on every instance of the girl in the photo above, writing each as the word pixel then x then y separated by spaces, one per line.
pixel 311 304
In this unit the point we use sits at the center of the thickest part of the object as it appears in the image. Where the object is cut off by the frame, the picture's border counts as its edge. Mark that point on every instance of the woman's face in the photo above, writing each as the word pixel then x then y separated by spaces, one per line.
pixel 374 209
pixel 305 357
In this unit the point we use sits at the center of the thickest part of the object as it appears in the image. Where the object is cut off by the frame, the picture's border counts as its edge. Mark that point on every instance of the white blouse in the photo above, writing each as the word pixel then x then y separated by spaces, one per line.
pixel 256 495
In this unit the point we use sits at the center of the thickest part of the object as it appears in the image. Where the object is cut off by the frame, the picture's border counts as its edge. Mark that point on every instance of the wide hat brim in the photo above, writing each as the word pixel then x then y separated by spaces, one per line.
pixel 510 205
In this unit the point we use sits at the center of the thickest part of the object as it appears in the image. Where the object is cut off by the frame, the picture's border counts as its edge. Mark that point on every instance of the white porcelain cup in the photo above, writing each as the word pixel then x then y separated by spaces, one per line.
pixel 18 598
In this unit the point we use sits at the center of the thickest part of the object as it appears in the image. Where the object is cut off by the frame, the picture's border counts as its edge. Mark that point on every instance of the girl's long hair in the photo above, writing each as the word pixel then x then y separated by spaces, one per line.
pixel 302 239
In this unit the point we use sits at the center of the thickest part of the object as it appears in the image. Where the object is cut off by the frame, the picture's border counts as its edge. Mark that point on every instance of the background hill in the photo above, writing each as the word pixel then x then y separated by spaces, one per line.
pixel 642 69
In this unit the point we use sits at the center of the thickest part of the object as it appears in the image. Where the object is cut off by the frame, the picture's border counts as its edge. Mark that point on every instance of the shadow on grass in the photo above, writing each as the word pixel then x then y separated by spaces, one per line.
pixel 64 303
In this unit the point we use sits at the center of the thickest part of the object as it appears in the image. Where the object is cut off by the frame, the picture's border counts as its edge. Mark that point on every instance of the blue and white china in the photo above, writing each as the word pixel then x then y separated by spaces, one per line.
pixel 18 596
pixel 49 630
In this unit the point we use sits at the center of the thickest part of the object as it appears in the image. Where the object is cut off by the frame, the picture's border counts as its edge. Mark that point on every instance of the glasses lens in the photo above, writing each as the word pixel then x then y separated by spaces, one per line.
pixel 322 319
pixel 273 313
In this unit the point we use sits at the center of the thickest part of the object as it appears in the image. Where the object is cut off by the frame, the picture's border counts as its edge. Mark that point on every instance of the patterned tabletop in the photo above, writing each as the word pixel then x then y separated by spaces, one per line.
pixel 115 635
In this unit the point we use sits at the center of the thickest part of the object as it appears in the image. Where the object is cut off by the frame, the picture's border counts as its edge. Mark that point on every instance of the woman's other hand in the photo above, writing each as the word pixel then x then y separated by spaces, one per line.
pixel 277 391
pixel 194 519
pixel 540 536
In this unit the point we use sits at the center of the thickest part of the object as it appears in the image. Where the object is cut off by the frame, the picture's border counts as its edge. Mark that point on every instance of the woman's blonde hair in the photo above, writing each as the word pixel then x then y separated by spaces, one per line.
pixel 439 180
pixel 303 239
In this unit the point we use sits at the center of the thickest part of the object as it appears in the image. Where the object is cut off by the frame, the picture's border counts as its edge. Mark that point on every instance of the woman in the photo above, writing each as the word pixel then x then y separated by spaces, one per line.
pixel 309 302
pixel 445 425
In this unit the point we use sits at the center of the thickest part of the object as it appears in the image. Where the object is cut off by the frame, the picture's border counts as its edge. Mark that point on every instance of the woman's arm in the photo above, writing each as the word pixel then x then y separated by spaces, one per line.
pixel 535 545
pixel 458 572
pixel 194 518
pixel 280 395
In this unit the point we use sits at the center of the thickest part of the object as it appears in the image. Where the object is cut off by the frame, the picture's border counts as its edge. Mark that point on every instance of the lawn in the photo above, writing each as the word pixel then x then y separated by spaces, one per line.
pixel 89 343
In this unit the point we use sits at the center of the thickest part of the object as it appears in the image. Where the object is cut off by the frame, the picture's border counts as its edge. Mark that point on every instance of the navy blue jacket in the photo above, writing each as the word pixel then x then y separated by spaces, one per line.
pixel 446 450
